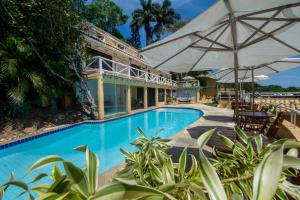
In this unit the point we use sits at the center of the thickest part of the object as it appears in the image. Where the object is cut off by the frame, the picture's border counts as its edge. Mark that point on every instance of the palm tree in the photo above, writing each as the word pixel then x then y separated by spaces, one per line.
pixel 144 17
pixel 165 17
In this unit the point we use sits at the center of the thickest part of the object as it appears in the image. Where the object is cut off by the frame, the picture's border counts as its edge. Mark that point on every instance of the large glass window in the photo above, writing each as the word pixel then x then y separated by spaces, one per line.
pixel 137 97
pixel 115 97
pixel 161 95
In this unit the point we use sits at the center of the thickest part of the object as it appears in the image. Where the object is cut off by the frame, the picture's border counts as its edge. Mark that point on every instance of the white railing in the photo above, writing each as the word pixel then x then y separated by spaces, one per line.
pixel 107 66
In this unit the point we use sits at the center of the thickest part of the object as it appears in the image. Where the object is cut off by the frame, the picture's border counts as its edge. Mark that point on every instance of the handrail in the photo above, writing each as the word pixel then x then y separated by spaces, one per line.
pixel 120 69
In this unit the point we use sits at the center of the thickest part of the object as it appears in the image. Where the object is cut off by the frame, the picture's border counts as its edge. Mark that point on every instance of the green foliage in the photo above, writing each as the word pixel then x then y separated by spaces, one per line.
pixel 107 15
pixel 250 171
pixel 38 42
pixel 242 174
pixel 162 16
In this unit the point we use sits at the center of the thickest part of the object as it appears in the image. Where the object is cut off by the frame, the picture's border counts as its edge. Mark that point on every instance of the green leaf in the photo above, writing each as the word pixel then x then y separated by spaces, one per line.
pixel 264 185
pixel 293 152
pixel 39 177
pixel 55 173
pixel 78 177
pixel 210 179
pixel 291 162
pixel 241 135
pixel 182 164
pixel 226 141
pixel 290 189
pixel 203 139
pixel 92 170
pixel 259 143
pixel 141 132
pixel 52 196
pixel 44 162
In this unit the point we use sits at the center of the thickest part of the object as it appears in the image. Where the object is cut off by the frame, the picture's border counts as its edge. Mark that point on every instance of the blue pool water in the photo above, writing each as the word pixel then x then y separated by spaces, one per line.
pixel 105 139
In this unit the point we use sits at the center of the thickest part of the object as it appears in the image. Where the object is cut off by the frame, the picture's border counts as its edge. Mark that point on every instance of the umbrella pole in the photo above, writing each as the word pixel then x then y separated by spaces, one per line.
pixel 253 87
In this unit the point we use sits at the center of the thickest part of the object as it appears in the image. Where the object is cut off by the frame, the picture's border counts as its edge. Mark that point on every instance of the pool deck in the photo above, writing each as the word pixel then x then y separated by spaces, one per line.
pixel 220 118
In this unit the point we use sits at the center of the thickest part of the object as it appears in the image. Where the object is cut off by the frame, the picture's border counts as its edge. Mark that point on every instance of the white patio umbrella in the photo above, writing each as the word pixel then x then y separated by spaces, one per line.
pixel 246 80
pixel 255 71
pixel 188 78
pixel 231 33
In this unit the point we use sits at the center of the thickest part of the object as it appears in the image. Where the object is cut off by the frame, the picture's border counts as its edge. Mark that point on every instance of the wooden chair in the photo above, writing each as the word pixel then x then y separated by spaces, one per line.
pixel 255 125
pixel 275 125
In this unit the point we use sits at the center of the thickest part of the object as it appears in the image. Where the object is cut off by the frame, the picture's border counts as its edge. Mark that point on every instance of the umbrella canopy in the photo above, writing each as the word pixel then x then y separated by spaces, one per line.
pixel 188 78
pixel 245 80
pixel 231 32
pixel 265 69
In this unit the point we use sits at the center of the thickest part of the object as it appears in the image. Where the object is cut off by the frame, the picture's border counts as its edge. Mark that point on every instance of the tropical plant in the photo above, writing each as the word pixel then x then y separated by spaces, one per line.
pixel 144 17
pixel 250 171
pixel 40 53
pixel 76 183
pixel 165 18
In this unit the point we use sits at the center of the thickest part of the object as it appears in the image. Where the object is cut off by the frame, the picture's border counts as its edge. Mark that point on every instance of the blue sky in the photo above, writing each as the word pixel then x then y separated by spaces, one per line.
pixel 188 9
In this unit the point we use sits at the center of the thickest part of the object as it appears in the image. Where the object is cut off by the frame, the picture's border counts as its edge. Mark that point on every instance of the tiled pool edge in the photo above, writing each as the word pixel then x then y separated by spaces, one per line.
pixel 50 132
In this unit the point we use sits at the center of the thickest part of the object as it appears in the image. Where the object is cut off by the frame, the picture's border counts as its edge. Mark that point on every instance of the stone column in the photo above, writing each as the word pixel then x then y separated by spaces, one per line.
pixel 145 98
pixel 100 97
pixel 156 96
pixel 165 96
pixel 128 99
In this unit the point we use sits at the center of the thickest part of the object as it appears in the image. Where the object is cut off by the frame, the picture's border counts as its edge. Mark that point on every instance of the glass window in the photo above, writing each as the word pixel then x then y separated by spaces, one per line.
pixel 161 95
pixel 115 97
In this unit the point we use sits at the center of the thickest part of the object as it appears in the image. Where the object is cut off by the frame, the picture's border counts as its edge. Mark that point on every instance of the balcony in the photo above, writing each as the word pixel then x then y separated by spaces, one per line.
pixel 109 67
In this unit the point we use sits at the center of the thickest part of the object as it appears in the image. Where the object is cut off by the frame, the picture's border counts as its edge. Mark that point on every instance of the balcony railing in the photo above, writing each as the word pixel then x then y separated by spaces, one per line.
pixel 107 66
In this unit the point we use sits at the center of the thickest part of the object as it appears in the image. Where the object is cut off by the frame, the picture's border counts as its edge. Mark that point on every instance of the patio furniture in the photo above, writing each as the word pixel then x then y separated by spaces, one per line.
pixel 254 121
pixel 275 125
pixel 184 99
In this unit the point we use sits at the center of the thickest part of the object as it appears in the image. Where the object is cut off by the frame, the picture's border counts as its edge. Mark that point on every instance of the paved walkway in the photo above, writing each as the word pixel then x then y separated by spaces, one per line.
pixel 220 118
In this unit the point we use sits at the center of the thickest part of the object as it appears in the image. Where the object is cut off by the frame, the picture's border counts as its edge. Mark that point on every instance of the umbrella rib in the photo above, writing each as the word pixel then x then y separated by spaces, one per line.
pixel 285 61
pixel 205 52
pixel 273 19
pixel 220 44
pixel 264 36
pixel 271 36
pixel 260 28
pixel 269 10
pixel 271 68
pixel 212 48
pixel 226 74
pixel 179 52
pixel 166 42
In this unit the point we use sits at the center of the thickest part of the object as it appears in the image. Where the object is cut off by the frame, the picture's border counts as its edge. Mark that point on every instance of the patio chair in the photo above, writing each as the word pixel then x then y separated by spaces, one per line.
pixel 255 125
pixel 273 128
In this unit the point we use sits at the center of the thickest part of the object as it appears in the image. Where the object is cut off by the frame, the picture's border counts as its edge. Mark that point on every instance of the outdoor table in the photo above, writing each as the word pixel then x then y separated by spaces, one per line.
pixel 256 114
pixel 254 120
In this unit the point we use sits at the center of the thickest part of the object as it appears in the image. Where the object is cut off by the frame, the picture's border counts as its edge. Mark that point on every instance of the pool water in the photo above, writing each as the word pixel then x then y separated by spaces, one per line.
pixel 105 139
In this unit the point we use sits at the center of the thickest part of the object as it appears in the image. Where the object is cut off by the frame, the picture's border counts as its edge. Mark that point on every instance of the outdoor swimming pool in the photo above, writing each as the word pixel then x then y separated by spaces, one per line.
pixel 104 138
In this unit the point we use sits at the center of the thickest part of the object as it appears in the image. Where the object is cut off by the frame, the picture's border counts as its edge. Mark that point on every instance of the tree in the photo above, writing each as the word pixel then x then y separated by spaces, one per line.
pixel 165 17
pixel 107 15
pixel 178 25
pixel 39 45
pixel 135 38
pixel 144 17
